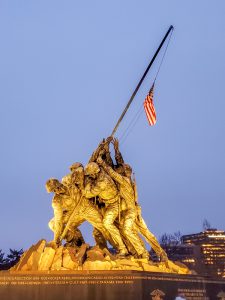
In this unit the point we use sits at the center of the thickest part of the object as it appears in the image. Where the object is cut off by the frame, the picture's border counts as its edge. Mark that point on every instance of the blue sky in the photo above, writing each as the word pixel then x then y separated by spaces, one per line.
pixel 68 68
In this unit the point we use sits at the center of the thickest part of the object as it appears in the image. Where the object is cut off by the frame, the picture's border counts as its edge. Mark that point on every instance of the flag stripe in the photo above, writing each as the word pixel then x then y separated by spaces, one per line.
pixel 149 107
pixel 150 115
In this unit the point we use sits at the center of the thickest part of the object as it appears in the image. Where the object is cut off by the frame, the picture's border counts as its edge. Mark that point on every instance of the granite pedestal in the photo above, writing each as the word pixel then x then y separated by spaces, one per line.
pixel 107 285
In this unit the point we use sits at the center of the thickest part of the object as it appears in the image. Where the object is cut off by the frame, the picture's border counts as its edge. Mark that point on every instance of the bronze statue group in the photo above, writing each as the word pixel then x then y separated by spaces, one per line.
pixel 103 193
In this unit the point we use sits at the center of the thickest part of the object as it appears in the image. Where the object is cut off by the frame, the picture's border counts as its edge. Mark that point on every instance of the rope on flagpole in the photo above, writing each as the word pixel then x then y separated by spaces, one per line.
pixel 164 54
pixel 132 126
pixel 135 119
pixel 140 82
pixel 131 122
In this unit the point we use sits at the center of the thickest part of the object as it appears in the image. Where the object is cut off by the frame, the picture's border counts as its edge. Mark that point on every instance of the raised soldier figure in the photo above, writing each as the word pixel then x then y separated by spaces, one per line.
pixel 126 191
pixel 139 225
pixel 103 187
pixel 103 150
pixel 118 156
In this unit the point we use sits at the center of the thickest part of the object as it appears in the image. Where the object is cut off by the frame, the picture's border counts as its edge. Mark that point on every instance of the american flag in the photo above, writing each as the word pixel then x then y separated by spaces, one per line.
pixel 149 107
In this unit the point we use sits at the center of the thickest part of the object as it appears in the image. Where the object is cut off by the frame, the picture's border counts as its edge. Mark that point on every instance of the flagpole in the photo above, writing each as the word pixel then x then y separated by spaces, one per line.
pixel 140 82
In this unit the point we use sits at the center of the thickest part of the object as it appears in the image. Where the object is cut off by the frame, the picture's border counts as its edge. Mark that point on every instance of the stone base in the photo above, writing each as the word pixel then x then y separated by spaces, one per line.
pixel 44 256
pixel 106 285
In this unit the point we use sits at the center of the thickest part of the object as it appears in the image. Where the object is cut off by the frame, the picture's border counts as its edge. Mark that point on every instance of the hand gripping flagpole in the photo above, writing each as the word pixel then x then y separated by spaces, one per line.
pixel 140 82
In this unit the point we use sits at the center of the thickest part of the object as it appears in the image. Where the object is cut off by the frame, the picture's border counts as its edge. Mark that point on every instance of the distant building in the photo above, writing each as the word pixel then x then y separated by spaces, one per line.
pixel 202 252
pixel 211 250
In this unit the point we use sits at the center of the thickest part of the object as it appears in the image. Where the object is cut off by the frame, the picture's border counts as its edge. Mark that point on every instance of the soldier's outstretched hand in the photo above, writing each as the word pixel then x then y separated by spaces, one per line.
pixel 116 143
pixel 99 160
pixel 106 144
pixel 109 139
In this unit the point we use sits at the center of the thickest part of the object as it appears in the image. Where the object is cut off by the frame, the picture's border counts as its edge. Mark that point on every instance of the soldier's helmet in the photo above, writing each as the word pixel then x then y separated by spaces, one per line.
pixel 78 172
pixel 51 184
pixel 78 175
pixel 91 168
pixel 79 169
pixel 75 166
pixel 67 180
pixel 127 168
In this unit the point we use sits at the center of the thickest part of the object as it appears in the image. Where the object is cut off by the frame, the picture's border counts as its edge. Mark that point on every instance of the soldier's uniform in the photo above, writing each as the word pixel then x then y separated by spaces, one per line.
pixel 103 150
pixel 73 237
pixel 141 227
pixel 70 207
pixel 126 191
pixel 104 187
pixel 86 211
pixel 63 205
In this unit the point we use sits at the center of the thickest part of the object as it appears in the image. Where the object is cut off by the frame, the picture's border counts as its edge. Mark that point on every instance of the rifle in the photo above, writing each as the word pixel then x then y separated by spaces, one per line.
pixel 70 219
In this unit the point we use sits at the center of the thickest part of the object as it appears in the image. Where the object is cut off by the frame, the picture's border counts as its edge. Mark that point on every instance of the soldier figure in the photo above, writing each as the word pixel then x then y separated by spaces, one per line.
pixel 139 224
pixel 104 187
pixel 85 210
pixel 129 211
pixel 71 209
pixel 103 150
pixel 63 205
pixel 141 227
pixel 111 186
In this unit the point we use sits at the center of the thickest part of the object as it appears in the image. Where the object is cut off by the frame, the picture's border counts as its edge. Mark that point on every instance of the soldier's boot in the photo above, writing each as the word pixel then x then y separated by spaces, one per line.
pixel 122 252
pixel 163 256
pixel 99 239
pixel 74 238
pixel 145 255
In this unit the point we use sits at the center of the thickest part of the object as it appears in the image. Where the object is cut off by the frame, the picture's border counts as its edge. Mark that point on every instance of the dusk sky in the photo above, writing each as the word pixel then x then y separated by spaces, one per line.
pixel 67 70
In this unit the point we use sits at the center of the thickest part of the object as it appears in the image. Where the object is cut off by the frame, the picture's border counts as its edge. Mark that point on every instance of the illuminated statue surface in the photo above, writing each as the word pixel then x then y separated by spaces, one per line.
pixel 104 194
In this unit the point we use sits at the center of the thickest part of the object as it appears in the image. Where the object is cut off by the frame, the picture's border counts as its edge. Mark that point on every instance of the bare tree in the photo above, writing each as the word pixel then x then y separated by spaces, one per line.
pixel 206 225
pixel 170 243
pixel 170 239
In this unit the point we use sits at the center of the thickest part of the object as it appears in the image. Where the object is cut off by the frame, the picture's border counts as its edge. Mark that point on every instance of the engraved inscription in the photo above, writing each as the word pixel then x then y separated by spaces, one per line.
pixel 193 294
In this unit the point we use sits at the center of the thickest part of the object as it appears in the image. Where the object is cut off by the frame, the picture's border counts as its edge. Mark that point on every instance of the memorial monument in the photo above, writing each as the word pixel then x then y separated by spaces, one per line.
pixel 103 192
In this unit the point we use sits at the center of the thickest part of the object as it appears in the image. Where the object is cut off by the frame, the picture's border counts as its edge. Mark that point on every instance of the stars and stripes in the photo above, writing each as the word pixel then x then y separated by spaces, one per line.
pixel 149 107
